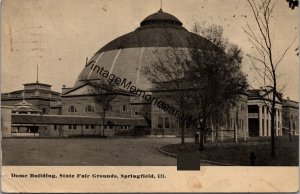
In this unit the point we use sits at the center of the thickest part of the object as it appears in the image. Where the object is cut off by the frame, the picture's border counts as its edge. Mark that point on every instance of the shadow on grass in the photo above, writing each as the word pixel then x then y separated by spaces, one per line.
pixel 287 152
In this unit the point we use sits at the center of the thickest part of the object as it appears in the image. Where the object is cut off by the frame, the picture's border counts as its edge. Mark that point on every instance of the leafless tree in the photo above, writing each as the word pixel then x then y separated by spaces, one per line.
pixel 264 61
pixel 202 79
pixel 217 70
pixel 103 93
pixel 169 75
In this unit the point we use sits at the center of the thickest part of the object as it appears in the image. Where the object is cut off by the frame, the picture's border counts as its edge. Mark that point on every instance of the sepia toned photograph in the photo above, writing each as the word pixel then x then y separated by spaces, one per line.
pixel 161 83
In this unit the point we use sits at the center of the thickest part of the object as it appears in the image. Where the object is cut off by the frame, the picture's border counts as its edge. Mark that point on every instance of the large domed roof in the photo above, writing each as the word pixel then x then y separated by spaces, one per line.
pixel 127 55
pixel 160 29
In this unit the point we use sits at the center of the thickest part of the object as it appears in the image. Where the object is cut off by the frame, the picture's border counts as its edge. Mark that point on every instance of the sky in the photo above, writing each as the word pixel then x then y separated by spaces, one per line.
pixel 58 35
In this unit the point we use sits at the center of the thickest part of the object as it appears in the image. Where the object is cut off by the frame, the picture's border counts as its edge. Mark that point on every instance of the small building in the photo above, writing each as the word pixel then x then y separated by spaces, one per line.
pixel 38 94
pixel 290 116
pixel 68 125
pixel 6 120
pixel 259 117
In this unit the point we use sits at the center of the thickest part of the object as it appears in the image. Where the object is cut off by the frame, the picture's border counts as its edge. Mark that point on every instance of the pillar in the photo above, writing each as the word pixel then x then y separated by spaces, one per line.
pixel 260 120
pixel 276 122
pixel 269 124
pixel 280 121
pixel 265 120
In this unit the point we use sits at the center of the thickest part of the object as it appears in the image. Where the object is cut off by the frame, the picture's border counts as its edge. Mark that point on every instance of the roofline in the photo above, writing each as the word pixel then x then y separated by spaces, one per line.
pixel 37 83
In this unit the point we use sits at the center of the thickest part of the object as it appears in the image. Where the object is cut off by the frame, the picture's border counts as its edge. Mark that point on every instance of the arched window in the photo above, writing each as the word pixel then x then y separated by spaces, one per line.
pixel 72 109
pixel 89 108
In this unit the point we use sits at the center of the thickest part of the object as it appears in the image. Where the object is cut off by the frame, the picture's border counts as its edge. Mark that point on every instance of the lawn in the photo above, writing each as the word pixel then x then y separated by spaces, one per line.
pixel 86 152
pixel 287 152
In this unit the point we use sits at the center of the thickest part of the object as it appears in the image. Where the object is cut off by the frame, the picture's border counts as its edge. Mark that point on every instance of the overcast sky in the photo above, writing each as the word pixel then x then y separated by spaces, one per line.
pixel 59 34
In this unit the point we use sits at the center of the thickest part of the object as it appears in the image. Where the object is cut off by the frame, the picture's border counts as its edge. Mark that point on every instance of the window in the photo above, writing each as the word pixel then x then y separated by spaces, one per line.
pixel 294 125
pixel 92 126
pixel 72 109
pixel 70 126
pixel 136 113
pixel 89 108
pixel 74 126
pixel 167 124
pixel 160 123
pixel 124 108
pixel 55 127
pixel 87 126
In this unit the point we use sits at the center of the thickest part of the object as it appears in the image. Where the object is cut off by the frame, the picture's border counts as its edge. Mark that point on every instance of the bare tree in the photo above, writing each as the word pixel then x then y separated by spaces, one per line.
pixel 264 62
pixel 169 75
pixel 103 93
pixel 201 79
pixel 218 73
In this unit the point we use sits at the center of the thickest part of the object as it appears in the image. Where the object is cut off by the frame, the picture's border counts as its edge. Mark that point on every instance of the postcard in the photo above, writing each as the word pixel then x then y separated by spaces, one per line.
pixel 149 96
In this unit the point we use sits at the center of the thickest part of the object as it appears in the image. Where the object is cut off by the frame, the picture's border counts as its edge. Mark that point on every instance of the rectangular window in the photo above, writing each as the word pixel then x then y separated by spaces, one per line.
pixel 87 126
pixel 55 127
pixel 160 123
pixel 74 126
pixel 92 126
pixel 167 124
pixel 70 126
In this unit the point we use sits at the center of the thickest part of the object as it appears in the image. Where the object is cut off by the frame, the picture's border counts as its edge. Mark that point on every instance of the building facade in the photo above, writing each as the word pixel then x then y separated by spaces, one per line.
pixel 38 94
pixel 259 117
pixel 290 116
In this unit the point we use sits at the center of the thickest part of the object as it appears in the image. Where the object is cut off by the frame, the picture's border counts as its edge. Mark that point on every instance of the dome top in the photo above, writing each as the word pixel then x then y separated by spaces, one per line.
pixel 159 18
pixel 153 32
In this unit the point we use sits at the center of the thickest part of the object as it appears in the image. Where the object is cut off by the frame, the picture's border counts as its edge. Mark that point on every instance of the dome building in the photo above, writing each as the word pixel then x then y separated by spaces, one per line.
pixel 126 57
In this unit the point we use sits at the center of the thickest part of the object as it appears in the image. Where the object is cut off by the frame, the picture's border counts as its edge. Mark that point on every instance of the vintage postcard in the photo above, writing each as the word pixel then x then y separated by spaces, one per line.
pixel 149 96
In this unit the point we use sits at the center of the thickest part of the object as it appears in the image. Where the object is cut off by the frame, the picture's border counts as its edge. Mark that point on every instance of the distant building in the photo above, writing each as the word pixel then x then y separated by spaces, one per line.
pixel 6 121
pixel 290 116
pixel 38 94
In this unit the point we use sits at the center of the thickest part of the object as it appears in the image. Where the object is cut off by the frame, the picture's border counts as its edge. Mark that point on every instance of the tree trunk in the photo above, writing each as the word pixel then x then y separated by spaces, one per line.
pixel 203 126
pixel 202 135
pixel 201 144
pixel 273 124
pixel 103 120
pixel 182 132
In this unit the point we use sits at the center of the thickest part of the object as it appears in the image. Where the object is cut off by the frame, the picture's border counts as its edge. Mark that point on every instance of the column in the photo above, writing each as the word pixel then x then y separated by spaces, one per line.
pixel 276 122
pixel 260 120
pixel 280 122
pixel 265 120
pixel 269 124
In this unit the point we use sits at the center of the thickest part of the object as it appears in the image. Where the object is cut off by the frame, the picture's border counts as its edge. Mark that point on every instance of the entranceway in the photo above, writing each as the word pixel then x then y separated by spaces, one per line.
pixel 253 127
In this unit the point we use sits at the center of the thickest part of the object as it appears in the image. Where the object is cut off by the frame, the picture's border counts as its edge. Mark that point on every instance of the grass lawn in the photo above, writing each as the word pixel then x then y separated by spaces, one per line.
pixel 287 153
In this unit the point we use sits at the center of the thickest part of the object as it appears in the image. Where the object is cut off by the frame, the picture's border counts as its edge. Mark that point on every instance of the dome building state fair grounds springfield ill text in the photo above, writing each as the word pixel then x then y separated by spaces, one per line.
pixel 76 112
